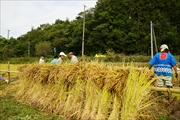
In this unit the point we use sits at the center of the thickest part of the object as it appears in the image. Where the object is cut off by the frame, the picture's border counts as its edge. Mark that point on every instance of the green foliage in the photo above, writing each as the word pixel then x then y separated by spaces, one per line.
pixel 111 56
pixel 121 25
pixel 43 48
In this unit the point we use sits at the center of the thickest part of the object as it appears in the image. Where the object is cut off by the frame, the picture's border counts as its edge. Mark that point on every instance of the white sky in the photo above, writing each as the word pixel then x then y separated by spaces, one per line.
pixel 19 16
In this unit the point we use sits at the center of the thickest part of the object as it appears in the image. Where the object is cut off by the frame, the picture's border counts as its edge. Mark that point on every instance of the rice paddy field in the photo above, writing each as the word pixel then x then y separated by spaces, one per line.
pixel 91 91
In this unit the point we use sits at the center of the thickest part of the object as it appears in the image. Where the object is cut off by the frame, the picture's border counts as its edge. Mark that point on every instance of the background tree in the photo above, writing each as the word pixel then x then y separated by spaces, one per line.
pixel 44 48
pixel 122 26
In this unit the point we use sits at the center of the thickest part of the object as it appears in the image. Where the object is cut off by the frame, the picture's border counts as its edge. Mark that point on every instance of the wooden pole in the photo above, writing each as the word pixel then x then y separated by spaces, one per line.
pixel 173 90
pixel 83 57
pixel 8 71
pixel 151 39
pixel 154 39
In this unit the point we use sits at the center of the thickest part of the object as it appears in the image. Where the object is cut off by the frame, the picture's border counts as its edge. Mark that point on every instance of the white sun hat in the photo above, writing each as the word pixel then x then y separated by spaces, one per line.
pixel 163 47
pixel 62 53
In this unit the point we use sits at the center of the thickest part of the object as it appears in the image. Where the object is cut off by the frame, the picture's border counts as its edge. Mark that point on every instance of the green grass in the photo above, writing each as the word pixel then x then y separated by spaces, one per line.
pixel 10 109
pixel 162 117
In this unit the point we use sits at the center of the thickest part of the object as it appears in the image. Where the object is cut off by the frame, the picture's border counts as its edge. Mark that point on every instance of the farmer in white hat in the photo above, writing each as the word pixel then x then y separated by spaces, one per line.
pixel 163 63
pixel 61 57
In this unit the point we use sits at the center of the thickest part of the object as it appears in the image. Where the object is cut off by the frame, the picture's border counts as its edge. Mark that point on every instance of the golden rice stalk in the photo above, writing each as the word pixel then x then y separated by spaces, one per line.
pixel 115 113
pixel 74 102
pixel 136 95
pixel 104 104
pixel 91 101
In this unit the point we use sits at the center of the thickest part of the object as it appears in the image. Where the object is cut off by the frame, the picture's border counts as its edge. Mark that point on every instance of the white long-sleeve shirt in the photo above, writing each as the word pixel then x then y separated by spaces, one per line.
pixel 59 60
pixel 41 61
pixel 74 59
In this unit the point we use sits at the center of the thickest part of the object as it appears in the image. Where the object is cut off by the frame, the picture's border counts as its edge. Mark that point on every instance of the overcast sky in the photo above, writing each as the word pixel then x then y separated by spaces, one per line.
pixel 19 16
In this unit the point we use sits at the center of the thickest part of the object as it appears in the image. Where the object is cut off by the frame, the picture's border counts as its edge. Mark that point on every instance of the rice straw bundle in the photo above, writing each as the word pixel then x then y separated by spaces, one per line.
pixel 86 90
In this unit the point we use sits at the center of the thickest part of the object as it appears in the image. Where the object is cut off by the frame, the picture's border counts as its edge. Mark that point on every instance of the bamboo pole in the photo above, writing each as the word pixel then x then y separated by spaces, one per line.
pixel 173 90
pixel 10 71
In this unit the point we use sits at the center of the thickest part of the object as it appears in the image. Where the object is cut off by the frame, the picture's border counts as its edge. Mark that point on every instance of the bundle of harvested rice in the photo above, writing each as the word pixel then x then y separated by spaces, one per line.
pixel 85 90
